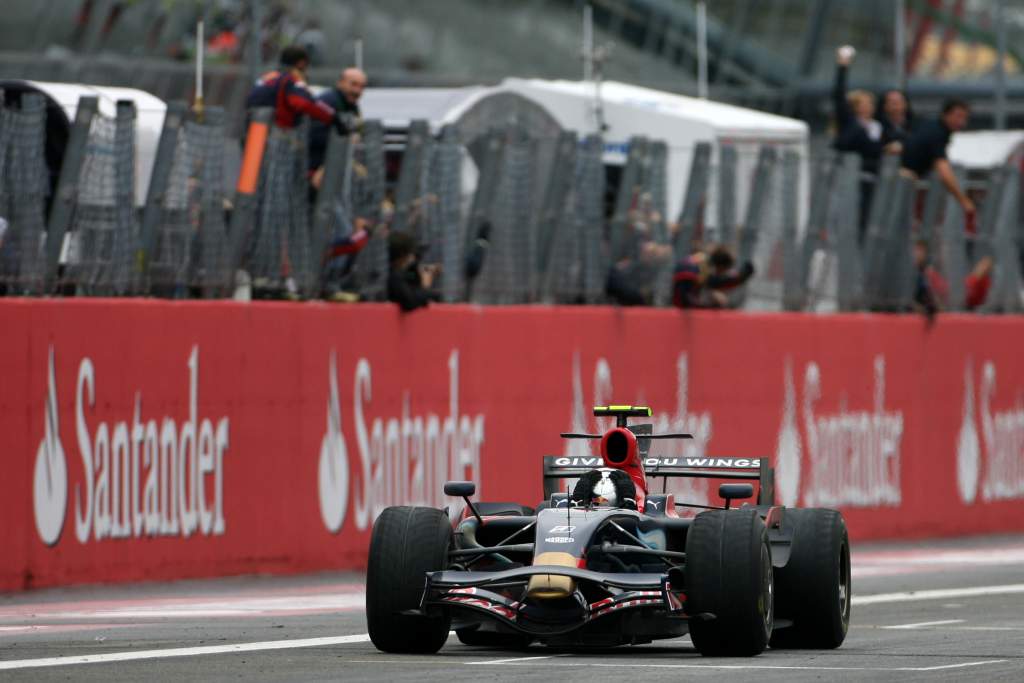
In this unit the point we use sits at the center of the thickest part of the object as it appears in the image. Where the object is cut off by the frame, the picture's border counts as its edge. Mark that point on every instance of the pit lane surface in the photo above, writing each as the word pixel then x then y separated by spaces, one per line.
pixel 948 610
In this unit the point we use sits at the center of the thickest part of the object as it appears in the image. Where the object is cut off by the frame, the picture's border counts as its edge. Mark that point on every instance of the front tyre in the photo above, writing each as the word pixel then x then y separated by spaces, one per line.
pixel 814 588
pixel 406 543
pixel 729 575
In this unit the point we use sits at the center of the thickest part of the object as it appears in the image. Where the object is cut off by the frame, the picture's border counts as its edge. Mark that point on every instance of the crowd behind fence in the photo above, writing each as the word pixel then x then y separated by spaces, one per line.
pixel 555 222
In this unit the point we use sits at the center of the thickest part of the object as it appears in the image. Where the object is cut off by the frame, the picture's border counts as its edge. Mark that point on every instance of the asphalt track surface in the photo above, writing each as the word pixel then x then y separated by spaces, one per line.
pixel 935 611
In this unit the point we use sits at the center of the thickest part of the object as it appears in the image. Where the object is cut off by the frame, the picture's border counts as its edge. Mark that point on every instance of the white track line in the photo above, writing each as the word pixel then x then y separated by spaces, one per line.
pixel 922 624
pixel 515 660
pixel 729 667
pixel 741 667
pixel 182 652
pixel 908 596
pixel 938 594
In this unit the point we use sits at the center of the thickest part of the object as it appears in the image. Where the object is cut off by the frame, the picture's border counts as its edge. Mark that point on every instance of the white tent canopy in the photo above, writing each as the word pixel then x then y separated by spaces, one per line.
pixel 150 112
pixel 979 150
pixel 627 110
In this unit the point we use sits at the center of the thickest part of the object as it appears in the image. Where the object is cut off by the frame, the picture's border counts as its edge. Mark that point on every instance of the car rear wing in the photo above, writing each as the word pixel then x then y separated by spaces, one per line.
pixel 749 469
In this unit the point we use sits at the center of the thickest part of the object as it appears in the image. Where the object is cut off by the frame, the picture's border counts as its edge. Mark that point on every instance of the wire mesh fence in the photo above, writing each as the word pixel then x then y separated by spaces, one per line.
pixel 23 192
pixel 511 217
pixel 104 233
pixel 189 253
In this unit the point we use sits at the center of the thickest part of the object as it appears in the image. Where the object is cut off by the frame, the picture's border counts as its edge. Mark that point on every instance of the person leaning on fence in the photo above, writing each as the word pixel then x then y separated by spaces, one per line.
pixel 632 278
pixel 284 90
pixel 896 117
pixel 925 150
pixel 858 131
pixel 703 279
pixel 343 98
pixel 931 290
pixel 410 285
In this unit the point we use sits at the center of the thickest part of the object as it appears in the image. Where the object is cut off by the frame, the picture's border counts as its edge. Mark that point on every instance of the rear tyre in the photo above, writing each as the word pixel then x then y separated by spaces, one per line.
pixel 729 575
pixel 505 641
pixel 814 588
pixel 407 542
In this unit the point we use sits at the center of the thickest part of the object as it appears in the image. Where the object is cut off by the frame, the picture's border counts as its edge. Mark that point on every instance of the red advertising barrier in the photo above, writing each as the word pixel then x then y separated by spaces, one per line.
pixel 156 440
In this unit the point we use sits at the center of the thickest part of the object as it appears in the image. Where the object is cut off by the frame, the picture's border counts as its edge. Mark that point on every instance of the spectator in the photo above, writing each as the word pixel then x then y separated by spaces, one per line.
pixel 632 278
pixel 285 91
pixel 410 285
pixel 478 251
pixel 896 118
pixel 931 291
pixel 925 150
pixel 703 279
pixel 344 99
pixel 858 131
pixel 339 260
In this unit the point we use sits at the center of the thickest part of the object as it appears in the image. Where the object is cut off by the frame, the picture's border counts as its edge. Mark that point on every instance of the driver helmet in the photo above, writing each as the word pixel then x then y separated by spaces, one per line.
pixel 604 493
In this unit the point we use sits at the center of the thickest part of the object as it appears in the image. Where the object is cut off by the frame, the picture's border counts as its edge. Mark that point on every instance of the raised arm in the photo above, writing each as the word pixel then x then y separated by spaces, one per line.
pixel 843 112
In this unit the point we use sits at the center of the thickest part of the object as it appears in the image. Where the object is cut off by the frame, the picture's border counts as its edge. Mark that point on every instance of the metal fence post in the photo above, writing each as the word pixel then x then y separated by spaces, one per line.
pixel 756 213
pixel 243 214
pixel 654 189
pixel 793 275
pixel 23 189
pixel 877 235
pixel 727 160
pixel 691 215
pixel 629 185
pixel 556 195
pixel 124 276
pixel 898 275
pixel 67 187
pixel 1005 293
pixel 589 212
pixel 446 185
pixel 952 255
pixel 158 183
pixel 817 230
pixel 331 206
pixel 409 191
pixel 370 270
pixel 989 217
pixel 844 233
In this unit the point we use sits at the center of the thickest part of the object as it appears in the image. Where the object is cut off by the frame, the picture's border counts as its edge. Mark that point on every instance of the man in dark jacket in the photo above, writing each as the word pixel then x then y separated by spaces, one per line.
pixel 925 149
pixel 342 98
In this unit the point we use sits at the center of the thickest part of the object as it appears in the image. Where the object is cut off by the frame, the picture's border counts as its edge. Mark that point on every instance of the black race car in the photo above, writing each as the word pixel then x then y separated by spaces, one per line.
pixel 611 562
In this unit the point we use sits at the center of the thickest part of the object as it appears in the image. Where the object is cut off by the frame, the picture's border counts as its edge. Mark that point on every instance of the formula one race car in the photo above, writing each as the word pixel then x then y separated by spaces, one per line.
pixel 611 562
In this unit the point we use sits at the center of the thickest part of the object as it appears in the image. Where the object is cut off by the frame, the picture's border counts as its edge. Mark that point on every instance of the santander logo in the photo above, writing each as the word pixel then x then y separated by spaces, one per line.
pixel 136 477
pixel 400 460
pixel 333 470
pixel 993 463
pixel 50 483
pixel 853 456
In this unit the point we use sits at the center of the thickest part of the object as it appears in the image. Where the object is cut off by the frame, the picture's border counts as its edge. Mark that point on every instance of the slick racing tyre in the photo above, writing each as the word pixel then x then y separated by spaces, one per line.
pixel 729 575
pixel 505 641
pixel 813 589
pixel 407 542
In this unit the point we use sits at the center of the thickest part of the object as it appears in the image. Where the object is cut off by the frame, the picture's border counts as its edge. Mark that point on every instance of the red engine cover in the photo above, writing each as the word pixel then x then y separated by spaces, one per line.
pixel 620 451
